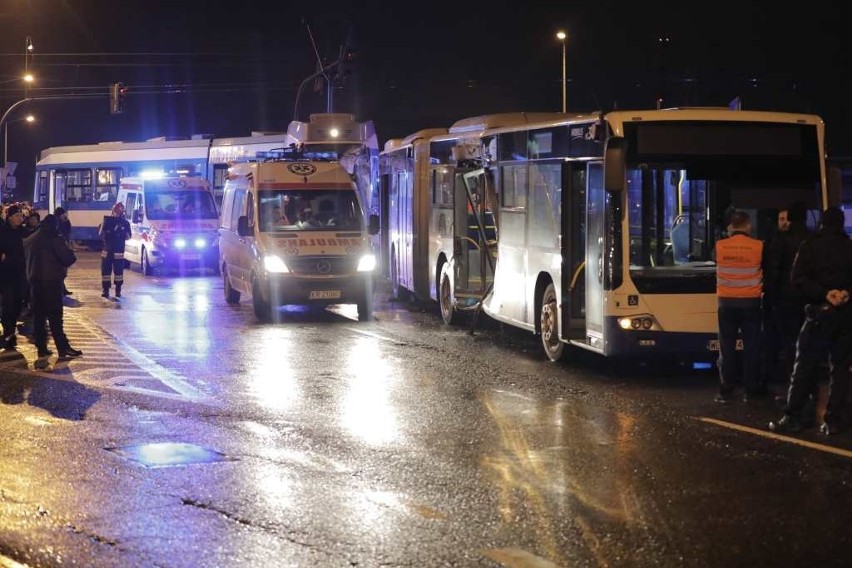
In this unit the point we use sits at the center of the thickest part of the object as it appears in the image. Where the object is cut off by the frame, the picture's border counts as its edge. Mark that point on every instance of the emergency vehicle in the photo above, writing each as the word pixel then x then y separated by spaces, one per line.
pixel 174 222
pixel 293 232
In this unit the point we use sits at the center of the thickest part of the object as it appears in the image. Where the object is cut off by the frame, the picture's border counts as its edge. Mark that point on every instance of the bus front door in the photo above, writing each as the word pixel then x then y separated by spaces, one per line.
pixel 595 255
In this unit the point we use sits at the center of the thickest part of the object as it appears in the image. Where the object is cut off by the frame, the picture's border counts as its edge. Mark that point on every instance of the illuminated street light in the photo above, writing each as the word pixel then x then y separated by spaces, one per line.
pixel 562 36
pixel 28 78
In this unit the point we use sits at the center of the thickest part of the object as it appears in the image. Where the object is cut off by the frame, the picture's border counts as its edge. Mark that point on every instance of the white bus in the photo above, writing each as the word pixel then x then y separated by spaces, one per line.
pixel 85 179
pixel 582 209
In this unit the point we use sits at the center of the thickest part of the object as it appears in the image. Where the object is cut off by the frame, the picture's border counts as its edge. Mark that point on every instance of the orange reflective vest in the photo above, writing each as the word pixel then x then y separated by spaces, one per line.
pixel 738 267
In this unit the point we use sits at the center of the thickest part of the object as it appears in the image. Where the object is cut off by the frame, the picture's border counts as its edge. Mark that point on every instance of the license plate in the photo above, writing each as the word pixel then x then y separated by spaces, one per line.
pixel 190 256
pixel 324 294
pixel 713 345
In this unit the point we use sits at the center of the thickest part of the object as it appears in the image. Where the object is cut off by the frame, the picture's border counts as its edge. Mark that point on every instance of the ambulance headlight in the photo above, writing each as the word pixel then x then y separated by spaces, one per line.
pixel 367 263
pixel 274 264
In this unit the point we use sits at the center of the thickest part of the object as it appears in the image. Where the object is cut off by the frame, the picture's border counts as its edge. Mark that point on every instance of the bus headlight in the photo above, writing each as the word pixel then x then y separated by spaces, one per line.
pixel 200 243
pixel 643 322
pixel 272 263
pixel 179 243
pixel 367 263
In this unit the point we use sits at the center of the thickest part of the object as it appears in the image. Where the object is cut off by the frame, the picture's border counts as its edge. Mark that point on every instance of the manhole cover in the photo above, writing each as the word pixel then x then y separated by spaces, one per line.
pixel 168 454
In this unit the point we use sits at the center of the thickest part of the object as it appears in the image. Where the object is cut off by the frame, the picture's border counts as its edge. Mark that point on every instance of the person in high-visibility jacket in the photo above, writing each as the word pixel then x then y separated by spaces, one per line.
pixel 739 289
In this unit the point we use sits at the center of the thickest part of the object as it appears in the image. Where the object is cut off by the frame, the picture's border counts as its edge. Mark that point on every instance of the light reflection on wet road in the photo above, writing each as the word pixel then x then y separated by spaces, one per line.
pixel 396 441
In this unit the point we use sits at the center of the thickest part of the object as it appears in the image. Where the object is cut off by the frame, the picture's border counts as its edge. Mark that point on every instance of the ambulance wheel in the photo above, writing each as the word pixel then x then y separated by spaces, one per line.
pixel 445 296
pixel 145 264
pixel 365 309
pixel 554 348
pixel 231 296
pixel 262 308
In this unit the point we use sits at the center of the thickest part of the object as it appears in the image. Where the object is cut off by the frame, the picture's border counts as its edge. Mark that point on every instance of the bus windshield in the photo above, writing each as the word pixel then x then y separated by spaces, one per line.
pixel 312 210
pixel 173 205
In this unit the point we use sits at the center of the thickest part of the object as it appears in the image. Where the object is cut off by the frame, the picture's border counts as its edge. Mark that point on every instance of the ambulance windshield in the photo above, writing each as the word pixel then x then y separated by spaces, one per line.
pixel 309 210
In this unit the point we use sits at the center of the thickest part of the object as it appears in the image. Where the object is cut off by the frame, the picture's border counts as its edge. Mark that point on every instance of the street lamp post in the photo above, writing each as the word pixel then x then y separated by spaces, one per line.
pixel 562 36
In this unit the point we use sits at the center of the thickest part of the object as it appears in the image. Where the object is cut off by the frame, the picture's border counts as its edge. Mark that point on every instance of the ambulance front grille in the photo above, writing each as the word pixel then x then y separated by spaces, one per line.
pixel 322 265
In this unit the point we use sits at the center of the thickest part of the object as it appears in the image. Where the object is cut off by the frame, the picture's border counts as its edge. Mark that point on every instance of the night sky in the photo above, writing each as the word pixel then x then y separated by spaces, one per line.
pixel 228 68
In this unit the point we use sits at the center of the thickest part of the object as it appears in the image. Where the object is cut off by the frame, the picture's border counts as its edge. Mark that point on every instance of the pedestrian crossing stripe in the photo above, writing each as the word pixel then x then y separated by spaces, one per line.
pixel 107 362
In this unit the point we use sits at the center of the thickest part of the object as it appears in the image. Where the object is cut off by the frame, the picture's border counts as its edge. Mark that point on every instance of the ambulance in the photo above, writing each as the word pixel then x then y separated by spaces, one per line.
pixel 293 232
pixel 174 223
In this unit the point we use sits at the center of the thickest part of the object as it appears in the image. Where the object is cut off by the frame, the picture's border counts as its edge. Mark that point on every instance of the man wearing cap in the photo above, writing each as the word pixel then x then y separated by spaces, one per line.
pixel 13 279
pixel 822 272
pixel 114 230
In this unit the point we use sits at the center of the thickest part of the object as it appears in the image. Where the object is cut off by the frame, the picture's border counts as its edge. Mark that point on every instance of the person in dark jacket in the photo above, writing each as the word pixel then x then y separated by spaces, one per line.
pixel 822 272
pixel 783 305
pixel 13 278
pixel 63 227
pixel 48 258
pixel 114 230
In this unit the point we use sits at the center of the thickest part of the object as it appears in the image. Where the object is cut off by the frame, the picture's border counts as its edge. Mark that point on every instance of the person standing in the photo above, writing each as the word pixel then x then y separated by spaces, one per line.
pixel 63 227
pixel 13 279
pixel 739 287
pixel 783 305
pixel 47 261
pixel 114 230
pixel 822 272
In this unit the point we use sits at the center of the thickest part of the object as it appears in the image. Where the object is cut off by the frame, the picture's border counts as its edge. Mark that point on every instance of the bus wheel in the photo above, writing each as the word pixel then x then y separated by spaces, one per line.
pixel 262 308
pixel 145 264
pixel 445 296
pixel 549 323
pixel 231 296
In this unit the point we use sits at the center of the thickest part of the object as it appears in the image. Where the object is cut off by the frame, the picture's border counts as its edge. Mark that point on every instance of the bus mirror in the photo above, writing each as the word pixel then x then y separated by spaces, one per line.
pixel 373 227
pixel 243 229
pixel 614 167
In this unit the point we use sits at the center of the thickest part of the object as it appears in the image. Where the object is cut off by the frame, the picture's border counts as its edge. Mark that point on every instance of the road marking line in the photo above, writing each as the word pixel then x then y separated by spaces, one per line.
pixel 773 436
pixel 375 335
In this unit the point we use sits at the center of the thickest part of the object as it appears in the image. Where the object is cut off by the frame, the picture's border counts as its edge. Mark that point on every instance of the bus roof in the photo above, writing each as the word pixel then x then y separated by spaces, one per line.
pixel 489 121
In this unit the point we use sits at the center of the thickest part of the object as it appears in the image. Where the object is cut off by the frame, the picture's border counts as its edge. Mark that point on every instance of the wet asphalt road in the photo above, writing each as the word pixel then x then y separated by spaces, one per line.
pixel 190 435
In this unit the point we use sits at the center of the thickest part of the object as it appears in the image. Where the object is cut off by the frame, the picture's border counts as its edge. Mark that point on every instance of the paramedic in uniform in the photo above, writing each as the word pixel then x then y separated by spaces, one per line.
pixel 114 230
pixel 739 287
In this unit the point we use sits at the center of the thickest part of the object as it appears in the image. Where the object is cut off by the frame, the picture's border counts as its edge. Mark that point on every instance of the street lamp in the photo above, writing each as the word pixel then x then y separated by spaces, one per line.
pixel 562 36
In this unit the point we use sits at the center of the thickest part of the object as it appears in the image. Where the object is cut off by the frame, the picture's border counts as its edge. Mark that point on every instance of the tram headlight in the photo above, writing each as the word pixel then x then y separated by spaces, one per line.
pixel 274 264
pixel 367 263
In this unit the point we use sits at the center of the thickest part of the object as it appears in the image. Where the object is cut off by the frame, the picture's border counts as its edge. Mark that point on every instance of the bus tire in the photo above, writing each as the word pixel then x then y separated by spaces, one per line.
pixel 553 347
pixel 445 296
pixel 145 264
pixel 231 296
pixel 262 308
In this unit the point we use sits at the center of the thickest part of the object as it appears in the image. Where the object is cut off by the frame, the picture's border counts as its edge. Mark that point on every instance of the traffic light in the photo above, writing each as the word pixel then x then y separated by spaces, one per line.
pixel 117 96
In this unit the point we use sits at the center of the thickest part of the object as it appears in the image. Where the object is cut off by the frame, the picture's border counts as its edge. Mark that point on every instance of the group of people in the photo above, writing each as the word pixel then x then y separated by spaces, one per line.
pixel 34 262
pixel 788 302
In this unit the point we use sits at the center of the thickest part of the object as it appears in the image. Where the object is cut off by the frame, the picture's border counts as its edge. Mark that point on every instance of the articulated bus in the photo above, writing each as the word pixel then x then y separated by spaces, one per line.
pixel 561 225
pixel 85 179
